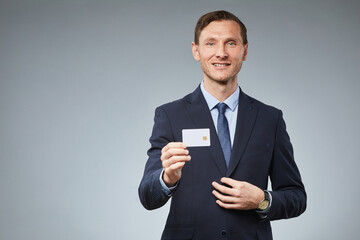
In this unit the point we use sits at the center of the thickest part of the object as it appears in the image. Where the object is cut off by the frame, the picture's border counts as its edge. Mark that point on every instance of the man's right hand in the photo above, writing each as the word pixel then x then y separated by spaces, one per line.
pixel 173 157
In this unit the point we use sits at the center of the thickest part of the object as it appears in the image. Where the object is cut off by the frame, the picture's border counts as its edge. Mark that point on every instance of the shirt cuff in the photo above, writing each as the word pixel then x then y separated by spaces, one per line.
pixel 167 190
pixel 263 213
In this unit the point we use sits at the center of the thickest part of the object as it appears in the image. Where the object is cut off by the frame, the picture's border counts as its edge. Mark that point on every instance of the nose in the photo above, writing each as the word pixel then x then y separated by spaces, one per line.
pixel 221 52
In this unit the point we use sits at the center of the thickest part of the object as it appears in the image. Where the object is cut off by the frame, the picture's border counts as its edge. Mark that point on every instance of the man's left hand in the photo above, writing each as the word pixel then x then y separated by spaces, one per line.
pixel 237 195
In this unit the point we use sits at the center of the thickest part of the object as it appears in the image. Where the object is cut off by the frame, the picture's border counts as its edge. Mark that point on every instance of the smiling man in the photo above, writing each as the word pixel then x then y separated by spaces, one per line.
pixel 214 150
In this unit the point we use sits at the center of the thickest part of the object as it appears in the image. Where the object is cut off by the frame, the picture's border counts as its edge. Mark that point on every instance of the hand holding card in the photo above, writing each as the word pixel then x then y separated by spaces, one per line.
pixel 173 157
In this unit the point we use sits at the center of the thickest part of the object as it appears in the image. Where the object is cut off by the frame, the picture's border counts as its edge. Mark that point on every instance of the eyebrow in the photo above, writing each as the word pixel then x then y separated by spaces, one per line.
pixel 209 39
pixel 226 39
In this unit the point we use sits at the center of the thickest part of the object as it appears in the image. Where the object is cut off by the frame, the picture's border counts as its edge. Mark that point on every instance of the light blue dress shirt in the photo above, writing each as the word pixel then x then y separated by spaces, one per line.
pixel 231 112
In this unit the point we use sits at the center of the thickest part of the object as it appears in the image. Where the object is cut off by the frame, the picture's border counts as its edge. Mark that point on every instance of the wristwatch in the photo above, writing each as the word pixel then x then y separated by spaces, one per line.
pixel 264 204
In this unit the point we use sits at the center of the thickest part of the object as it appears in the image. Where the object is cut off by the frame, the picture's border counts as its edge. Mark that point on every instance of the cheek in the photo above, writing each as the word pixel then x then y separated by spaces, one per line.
pixel 205 57
pixel 240 58
pixel 204 66
pixel 205 60
pixel 206 54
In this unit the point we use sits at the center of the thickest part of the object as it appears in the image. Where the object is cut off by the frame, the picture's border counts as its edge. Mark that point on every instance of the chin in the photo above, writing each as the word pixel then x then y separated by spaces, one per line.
pixel 223 81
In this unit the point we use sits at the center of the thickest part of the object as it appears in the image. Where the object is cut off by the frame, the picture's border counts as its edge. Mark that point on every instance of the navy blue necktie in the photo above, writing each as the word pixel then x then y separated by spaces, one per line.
pixel 223 132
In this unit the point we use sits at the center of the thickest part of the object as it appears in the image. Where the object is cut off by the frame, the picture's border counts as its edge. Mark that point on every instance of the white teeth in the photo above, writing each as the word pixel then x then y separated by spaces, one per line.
pixel 220 65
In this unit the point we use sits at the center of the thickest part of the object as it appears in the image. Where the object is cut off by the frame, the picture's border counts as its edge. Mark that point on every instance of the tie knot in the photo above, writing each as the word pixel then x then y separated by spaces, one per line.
pixel 221 107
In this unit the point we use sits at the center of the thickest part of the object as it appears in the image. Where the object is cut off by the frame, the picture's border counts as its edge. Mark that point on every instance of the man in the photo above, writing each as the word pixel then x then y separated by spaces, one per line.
pixel 220 191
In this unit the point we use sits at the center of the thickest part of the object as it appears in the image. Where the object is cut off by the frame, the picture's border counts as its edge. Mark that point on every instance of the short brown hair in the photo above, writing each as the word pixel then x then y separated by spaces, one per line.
pixel 218 16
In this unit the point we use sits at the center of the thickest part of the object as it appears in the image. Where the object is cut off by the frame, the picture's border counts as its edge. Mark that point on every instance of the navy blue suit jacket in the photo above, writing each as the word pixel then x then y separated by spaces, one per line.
pixel 261 149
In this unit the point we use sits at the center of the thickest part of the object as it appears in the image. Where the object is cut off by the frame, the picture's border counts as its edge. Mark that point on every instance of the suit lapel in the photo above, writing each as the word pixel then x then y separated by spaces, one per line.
pixel 201 117
pixel 245 123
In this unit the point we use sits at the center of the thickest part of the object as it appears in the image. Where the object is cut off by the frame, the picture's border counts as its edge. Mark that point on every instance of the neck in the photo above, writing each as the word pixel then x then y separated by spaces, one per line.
pixel 220 90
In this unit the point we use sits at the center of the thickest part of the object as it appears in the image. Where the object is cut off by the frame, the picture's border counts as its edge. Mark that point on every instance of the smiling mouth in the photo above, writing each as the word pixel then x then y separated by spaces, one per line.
pixel 221 64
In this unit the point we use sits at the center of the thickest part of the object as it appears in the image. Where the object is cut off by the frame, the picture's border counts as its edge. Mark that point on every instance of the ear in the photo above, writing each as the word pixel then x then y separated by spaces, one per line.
pixel 245 52
pixel 195 51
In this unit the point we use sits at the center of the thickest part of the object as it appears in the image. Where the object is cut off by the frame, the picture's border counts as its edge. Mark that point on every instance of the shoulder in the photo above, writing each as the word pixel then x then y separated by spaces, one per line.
pixel 179 104
pixel 173 104
pixel 261 106
pixel 171 108
pixel 267 115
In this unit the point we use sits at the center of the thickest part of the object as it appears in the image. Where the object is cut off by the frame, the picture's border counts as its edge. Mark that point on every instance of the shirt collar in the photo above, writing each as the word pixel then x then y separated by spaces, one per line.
pixel 211 101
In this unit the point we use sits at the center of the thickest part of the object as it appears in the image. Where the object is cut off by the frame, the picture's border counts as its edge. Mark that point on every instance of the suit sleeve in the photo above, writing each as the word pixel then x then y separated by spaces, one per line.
pixel 288 192
pixel 150 190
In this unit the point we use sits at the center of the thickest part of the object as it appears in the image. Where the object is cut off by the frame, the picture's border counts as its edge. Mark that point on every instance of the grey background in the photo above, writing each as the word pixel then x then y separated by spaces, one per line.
pixel 79 82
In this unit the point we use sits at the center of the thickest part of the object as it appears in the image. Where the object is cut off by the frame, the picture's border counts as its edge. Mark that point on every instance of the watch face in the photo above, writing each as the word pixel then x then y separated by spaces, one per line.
pixel 264 205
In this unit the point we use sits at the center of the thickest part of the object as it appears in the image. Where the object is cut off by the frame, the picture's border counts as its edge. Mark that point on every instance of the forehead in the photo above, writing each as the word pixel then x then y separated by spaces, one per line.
pixel 221 30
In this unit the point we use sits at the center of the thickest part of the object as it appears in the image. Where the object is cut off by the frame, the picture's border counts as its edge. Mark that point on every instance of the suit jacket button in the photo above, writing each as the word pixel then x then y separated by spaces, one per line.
pixel 223 233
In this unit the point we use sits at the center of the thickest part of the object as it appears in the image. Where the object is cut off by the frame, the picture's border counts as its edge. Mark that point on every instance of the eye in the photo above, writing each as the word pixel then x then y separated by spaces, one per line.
pixel 232 43
pixel 210 44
